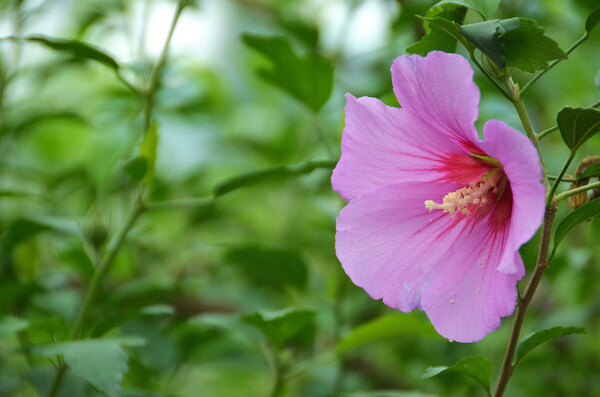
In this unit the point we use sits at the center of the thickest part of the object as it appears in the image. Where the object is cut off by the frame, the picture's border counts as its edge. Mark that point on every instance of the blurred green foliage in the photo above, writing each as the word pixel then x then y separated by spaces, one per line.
pixel 239 294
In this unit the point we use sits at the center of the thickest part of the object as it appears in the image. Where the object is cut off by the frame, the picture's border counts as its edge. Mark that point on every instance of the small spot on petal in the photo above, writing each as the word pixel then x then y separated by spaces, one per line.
pixel 478 290
pixel 451 301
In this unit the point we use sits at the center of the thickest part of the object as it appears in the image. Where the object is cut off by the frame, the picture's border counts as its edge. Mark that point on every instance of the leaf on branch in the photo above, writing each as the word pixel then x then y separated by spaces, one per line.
pixel 478 368
pixel 534 340
pixel 284 326
pixel 102 362
pixel 308 79
pixel 515 42
pixel 75 48
pixel 528 48
pixel 488 37
pixel 137 167
pixel 441 25
pixel 576 217
pixel 592 20
pixel 386 327
pixel 485 8
pixel 577 125
pixel 591 171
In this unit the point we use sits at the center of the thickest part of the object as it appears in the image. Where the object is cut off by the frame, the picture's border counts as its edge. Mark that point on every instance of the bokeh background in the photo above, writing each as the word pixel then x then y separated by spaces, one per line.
pixel 236 294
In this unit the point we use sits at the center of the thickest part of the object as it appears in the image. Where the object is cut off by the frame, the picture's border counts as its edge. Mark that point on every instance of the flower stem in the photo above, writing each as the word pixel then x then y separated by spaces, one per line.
pixel 490 78
pixel 571 192
pixel 558 179
pixel 517 102
pixel 154 79
pixel 542 264
pixel 563 179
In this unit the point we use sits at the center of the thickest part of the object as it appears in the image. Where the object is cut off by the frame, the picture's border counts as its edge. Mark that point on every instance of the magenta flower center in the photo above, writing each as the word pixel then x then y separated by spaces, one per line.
pixel 476 194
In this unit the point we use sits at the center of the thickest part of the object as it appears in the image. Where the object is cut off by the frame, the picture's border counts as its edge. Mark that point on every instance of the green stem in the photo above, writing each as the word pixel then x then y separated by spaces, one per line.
pixel 490 78
pixel 562 172
pixel 542 134
pixel 154 79
pixel 580 189
pixel 104 267
pixel 563 179
pixel 554 63
pixel 542 261
pixel 279 386
pixel 517 102
pixel 138 209
pixel 542 264
pixel 95 284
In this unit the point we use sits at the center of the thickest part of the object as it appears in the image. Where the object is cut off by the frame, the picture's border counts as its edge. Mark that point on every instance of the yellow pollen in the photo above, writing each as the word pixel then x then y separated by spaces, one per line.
pixel 451 301
pixel 459 200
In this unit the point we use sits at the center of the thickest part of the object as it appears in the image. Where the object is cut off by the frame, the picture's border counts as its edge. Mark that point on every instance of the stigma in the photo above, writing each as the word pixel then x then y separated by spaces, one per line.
pixel 476 194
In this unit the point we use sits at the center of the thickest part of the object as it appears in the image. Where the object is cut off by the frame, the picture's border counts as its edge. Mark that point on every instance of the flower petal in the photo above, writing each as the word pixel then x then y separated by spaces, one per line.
pixel 384 243
pixel 439 89
pixel 521 163
pixel 384 145
pixel 391 246
pixel 465 302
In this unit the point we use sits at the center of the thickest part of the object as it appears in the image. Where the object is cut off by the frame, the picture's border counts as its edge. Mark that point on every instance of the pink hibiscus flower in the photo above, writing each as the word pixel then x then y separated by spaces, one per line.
pixel 435 215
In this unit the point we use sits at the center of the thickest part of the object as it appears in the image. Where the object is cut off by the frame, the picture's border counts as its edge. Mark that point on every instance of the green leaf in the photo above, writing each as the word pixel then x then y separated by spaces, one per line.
pixel 10 325
pixel 268 174
pixel 137 167
pixel 441 34
pixel 478 368
pixel 485 8
pixel 514 42
pixel 386 327
pixel 528 49
pixel 488 37
pixel 592 20
pixel 148 150
pixel 453 29
pixel 534 340
pixel 577 125
pixel 283 327
pixel 576 217
pixel 590 172
pixel 76 48
pixel 269 267
pixel 308 79
pixel 102 362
